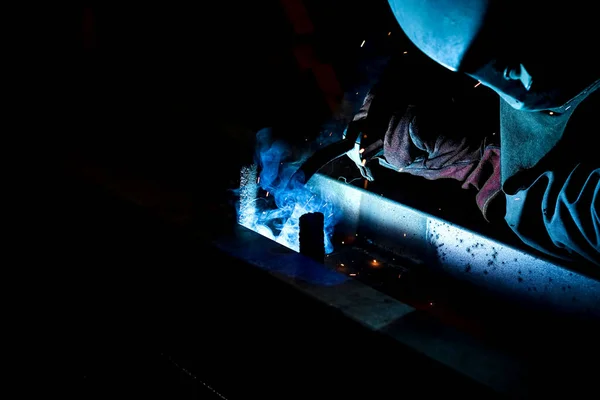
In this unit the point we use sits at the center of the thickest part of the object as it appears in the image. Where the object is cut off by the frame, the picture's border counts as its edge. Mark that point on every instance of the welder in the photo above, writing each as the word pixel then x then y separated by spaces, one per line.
pixel 543 172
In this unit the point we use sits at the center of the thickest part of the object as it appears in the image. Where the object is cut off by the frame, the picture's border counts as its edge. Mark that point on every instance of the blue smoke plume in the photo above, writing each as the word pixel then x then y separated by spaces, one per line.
pixel 292 199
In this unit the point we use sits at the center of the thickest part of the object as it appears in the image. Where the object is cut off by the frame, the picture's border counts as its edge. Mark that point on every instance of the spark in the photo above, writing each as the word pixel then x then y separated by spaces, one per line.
pixel 405 235
pixel 258 180
pixel 364 162
pixel 342 265
pixel 477 84
pixel 389 33
pixel 406 52
pixel 361 151
pixel 309 200
pixel 194 377
pixel 267 194
pixel 363 43
pixel 353 274
pixel 551 113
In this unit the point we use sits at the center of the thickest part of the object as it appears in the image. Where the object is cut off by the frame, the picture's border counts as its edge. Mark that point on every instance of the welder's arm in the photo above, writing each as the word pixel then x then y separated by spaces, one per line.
pixel 558 213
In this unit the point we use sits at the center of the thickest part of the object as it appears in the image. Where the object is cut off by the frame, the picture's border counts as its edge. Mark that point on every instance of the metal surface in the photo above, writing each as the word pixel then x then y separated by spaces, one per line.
pixel 356 300
pixel 464 254
pixel 379 275
pixel 377 311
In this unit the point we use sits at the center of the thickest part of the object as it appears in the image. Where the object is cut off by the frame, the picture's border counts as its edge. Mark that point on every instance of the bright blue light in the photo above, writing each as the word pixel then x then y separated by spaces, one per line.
pixel 292 199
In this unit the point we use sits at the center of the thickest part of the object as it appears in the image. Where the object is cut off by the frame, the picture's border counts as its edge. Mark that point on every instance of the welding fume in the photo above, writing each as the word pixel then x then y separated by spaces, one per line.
pixel 274 197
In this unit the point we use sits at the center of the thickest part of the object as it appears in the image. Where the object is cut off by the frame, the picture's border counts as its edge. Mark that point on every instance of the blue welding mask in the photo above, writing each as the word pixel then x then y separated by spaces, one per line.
pixel 534 56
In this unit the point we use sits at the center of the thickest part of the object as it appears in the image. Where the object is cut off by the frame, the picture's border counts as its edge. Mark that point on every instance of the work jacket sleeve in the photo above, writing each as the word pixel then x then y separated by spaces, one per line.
pixel 558 213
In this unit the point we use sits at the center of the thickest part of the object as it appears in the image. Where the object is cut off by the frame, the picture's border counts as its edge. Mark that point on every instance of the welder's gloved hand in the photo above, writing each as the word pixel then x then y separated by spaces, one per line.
pixel 428 141
pixel 425 143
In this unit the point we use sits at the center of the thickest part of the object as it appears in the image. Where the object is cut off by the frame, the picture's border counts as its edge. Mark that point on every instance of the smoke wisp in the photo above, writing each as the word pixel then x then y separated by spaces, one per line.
pixel 275 211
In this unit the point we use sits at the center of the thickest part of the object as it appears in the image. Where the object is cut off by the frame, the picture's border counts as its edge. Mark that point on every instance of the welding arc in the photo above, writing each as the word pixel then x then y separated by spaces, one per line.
pixel 325 155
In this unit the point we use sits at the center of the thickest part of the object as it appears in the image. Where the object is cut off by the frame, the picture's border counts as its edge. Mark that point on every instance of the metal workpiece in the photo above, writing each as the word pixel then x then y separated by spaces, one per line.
pixel 378 275
pixel 504 269
pixel 462 253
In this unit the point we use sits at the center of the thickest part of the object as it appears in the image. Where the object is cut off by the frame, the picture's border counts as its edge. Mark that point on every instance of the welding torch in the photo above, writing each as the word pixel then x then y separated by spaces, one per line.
pixel 379 69
pixel 329 153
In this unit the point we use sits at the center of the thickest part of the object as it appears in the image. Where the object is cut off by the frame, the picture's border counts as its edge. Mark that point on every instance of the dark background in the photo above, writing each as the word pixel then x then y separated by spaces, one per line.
pixel 167 99
pixel 143 115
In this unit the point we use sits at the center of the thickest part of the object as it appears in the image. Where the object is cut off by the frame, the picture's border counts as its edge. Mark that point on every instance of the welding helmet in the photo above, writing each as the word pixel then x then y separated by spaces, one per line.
pixel 535 56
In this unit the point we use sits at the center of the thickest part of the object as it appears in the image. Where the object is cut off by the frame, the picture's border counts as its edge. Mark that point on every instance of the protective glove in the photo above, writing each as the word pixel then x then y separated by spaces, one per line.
pixel 428 142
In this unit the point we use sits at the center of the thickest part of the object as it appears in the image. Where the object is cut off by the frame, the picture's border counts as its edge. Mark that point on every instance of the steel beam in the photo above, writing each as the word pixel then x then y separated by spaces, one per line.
pixel 465 254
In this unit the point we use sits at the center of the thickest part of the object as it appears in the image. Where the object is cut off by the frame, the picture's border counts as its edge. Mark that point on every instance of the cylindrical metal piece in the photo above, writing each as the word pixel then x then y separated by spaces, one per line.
pixel 312 236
